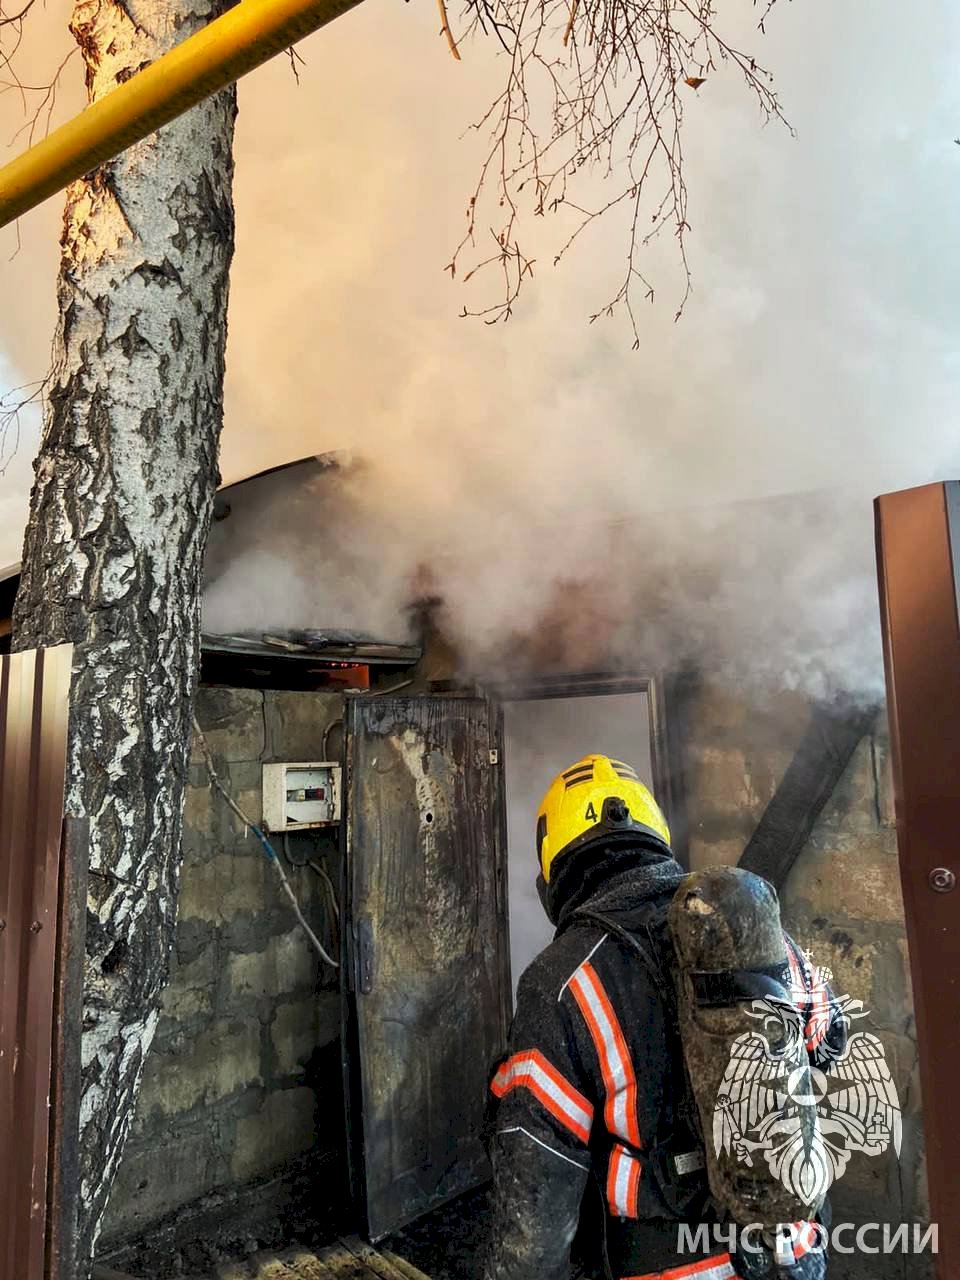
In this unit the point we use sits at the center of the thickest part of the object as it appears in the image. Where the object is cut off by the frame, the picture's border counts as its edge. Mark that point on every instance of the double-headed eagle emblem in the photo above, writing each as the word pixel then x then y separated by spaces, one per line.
pixel 805 1111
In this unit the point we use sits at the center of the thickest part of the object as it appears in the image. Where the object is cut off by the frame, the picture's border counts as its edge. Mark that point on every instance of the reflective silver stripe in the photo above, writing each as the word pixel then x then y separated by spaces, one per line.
pixel 619 1072
pixel 513 1073
pixel 722 1272
pixel 621 1183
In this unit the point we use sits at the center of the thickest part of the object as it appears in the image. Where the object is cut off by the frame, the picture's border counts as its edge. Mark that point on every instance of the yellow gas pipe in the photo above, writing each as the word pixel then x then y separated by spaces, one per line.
pixel 241 39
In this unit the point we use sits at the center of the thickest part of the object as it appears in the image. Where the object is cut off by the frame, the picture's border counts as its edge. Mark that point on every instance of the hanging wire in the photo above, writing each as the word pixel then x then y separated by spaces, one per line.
pixel 334 724
pixel 268 848
pixel 319 868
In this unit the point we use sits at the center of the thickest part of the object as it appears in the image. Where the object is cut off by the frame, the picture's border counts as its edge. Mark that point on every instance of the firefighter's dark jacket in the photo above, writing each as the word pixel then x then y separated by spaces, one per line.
pixel 590 1088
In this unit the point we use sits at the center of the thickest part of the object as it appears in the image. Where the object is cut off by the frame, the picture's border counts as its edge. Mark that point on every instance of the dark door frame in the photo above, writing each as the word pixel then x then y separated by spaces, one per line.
pixel 666 738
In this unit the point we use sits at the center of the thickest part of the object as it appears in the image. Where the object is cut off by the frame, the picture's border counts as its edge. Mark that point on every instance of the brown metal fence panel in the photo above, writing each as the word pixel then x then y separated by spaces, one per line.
pixel 34 703
pixel 918 544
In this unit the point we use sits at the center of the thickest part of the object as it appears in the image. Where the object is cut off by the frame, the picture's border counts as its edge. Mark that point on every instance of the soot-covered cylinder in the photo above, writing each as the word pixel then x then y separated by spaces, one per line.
pixel 744 1047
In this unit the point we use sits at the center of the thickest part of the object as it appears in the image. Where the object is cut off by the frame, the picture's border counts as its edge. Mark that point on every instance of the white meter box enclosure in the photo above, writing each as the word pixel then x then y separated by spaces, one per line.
pixel 299 796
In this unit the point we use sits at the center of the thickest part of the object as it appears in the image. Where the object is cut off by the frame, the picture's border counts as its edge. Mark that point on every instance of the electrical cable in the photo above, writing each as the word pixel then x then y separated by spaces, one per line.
pixel 289 857
pixel 318 868
pixel 394 688
pixel 330 889
pixel 338 723
pixel 268 848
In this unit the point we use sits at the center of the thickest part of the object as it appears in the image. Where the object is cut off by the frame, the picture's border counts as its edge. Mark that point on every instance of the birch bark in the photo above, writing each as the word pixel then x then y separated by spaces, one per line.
pixel 120 509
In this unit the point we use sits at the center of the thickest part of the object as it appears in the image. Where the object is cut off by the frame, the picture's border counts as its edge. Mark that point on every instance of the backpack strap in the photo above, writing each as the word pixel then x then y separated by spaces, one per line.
pixel 676 1152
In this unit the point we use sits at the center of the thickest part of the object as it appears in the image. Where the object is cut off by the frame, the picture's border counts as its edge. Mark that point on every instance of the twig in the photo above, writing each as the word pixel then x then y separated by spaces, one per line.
pixel 445 27
pixel 569 31
pixel 296 62
pixel 592 90
pixel 12 405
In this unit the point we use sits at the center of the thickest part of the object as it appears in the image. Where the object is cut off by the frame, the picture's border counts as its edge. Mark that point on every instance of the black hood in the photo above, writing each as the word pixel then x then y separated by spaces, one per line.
pixel 614 878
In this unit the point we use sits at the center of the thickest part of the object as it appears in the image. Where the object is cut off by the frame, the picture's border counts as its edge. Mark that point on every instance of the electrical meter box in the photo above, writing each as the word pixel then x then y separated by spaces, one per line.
pixel 299 796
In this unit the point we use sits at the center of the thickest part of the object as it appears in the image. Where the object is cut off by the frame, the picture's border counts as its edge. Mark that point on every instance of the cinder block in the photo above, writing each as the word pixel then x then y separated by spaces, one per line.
pixel 226 885
pixel 853 807
pixel 288 963
pixel 301 1027
pixel 714 853
pixel 891 996
pixel 211 825
pixel 232 723
pixel 284 1127
pixel 857 879
pixel 191 1071
pixel 295 723
pixel 191 989
pixel 720 715
pixel 328 1017
pixel 715 712
pixel 720 782
pixel 293 1035
pixel 883 765
pixel 200 818
pixel 176 1167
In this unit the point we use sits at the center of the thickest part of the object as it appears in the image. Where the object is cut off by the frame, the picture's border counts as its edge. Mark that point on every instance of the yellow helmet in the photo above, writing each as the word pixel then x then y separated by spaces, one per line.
pixel 595 797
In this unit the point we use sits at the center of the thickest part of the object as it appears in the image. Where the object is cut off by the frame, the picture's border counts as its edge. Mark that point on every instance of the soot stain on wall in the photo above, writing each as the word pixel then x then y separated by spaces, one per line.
pixel 244 1075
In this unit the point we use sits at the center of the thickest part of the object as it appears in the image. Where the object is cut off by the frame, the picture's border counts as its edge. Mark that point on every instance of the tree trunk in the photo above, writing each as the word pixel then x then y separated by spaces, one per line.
pixel 119 515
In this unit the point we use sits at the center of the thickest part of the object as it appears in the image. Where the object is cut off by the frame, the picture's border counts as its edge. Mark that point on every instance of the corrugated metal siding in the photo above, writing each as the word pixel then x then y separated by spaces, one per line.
pixel 34 702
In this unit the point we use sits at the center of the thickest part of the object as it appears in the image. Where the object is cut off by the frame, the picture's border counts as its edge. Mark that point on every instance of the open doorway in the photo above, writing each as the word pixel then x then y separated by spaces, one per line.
pixel 546 728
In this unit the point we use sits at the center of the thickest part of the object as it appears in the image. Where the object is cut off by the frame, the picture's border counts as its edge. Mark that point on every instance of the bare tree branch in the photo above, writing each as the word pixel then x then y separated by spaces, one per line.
pixel 13 403
pixel 296 62
pixel 43 105
pixel 593 89
pixel 445 28
pixel 16 19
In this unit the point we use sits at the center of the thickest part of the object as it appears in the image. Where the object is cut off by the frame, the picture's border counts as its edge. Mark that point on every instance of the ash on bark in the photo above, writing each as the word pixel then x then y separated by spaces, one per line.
pixel 120 508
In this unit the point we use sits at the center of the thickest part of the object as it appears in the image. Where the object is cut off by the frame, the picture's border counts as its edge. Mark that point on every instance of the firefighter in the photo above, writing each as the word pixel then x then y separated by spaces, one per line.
pixel 592 1089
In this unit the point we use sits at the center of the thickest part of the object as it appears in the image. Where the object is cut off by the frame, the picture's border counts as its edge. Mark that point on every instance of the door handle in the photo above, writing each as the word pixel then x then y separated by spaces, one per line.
pixel 365 955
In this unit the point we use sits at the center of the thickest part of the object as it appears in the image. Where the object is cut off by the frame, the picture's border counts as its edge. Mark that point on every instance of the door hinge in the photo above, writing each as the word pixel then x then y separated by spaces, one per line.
pixel 365 957
pixel 494 757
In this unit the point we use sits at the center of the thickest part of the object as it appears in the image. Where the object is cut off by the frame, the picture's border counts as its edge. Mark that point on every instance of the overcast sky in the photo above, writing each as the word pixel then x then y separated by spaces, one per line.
pixel 819 348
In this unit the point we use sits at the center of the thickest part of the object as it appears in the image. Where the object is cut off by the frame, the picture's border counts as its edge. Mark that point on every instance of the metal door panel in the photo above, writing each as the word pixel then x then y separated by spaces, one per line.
pixel 428 956
pixel 918 540
pixel 34 706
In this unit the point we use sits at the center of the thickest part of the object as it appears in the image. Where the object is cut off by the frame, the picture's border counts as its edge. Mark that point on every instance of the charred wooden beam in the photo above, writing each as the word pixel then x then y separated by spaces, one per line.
pixel 810 780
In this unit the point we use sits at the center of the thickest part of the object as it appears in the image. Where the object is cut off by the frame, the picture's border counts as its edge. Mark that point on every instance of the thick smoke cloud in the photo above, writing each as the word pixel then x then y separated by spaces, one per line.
pixel 818 352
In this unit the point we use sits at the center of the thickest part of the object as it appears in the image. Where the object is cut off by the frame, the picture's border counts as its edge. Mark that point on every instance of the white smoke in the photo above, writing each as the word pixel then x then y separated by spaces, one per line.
pixel 818 353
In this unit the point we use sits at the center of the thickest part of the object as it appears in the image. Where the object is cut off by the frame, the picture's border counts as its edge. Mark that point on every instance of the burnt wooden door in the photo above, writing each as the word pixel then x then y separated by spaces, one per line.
pixel 426 957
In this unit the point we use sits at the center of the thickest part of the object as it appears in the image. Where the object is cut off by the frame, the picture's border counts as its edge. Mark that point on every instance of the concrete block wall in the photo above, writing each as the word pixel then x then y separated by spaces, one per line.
pixel 842 902
pixel 246 1055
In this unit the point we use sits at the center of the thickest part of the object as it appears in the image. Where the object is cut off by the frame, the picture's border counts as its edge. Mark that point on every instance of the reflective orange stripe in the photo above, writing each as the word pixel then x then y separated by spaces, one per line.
pixel 805 1239
pixel 531 1070
pixel 616 1067
pixel 716 1268
pixel 818 1024
pixel 623 1183
pixel 810 997
pixel 801 989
